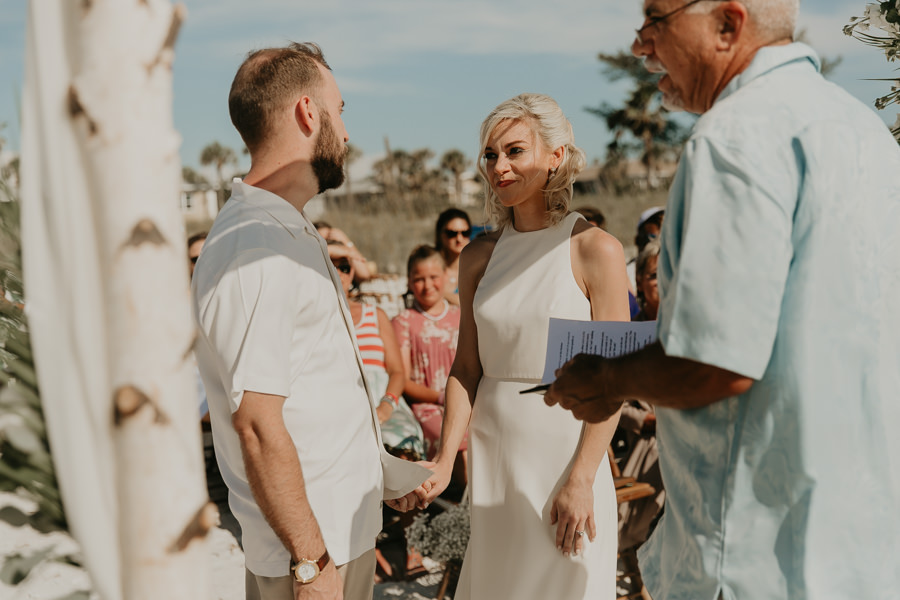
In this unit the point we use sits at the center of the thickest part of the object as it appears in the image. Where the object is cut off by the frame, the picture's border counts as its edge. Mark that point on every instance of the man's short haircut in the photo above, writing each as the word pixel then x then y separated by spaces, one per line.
pixel 267 81
pixel 774 20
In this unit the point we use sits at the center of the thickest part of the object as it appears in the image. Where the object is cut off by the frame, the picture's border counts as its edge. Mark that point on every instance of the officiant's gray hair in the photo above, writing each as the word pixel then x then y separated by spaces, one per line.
pixel 553 129
pixel 775 19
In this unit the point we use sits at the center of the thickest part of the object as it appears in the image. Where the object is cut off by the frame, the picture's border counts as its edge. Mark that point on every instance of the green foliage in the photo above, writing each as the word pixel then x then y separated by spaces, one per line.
pixel 442 538
pixel 455 163
pixel 26 468
pixel 219 156
pixel 192 177
pixel 641 127
pixel 408 184
pixel 880 27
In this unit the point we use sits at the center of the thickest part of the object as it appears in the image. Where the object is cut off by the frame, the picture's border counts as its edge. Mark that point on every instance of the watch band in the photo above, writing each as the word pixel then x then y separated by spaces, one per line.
pixel 323 560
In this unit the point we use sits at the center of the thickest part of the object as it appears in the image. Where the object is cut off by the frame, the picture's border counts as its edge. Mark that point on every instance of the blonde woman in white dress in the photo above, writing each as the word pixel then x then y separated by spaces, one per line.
pixel 543 505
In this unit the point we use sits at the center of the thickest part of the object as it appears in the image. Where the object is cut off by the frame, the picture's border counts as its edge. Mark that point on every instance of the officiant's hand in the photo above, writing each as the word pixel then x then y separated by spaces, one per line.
pixel 572 512
pixel 582 386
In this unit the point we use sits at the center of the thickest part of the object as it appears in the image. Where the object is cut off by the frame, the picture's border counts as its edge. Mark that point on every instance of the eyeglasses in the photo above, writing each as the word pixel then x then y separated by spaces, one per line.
pixel 452 233
pixel 652 21
pixel 344 268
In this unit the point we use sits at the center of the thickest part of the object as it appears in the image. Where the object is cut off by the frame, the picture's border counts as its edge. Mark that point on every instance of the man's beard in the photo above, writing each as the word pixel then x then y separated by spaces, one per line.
pixel 672 100
pixel 328 157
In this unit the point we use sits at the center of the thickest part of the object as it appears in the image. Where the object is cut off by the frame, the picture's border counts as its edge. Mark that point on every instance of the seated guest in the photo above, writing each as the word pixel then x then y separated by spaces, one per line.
pixel 648 228
pixel 400 432
pixel 364 269
pixel 645 281
pixel 428 334
pixel 637 425
pixel 452 233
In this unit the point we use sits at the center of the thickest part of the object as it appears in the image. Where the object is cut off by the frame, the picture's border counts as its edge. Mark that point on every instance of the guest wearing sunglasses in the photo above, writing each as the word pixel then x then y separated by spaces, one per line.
pixel 364 269
pixel 452 233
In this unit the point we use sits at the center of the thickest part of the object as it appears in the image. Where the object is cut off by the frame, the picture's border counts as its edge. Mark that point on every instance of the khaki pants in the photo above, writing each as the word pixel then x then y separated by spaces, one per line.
pixel 358 576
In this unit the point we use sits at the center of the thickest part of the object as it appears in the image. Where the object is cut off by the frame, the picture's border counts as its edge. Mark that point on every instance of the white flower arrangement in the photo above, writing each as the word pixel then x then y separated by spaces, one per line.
pixel 880 27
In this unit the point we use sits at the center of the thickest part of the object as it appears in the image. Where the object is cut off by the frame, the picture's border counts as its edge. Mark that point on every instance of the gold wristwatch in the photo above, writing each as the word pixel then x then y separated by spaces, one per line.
pixel 307 571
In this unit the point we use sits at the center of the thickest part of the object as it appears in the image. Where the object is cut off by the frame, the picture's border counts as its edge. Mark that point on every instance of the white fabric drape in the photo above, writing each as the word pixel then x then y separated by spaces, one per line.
pixel 107 290
pixel 65 299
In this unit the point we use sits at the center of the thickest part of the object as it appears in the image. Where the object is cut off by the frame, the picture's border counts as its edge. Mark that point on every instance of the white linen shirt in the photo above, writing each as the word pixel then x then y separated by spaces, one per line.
pixel 780 261
pixel 271 322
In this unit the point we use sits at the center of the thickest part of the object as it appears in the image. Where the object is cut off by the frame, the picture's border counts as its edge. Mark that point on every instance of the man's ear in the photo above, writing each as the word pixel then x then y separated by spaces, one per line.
pixel 306 114
pixel 733 18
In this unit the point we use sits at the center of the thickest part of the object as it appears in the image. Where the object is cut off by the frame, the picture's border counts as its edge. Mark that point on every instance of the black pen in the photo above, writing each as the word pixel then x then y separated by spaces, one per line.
pixel 538 389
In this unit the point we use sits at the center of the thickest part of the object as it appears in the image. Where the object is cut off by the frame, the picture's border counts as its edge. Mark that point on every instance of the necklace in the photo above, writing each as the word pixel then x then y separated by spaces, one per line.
pixel 431 317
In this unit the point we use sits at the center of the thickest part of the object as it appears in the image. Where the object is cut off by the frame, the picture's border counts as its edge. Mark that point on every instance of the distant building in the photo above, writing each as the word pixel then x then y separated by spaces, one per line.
pixel 198 203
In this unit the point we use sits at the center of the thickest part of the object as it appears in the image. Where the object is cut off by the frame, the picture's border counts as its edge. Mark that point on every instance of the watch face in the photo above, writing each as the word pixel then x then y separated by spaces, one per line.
pixel 306 571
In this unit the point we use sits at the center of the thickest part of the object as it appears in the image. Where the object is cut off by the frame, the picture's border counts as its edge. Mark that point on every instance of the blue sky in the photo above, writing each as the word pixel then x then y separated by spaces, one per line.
pixel 421 72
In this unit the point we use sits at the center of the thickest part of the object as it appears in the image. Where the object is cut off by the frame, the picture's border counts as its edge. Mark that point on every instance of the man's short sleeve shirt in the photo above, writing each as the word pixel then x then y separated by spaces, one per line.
pixel 270 322
pixel 780 262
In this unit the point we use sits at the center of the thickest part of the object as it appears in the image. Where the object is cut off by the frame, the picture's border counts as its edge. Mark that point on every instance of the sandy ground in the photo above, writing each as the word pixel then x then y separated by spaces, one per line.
pixel 52 581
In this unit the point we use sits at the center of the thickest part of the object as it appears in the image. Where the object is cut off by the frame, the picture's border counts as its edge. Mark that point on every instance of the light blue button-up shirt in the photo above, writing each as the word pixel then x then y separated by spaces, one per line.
pixel 781 262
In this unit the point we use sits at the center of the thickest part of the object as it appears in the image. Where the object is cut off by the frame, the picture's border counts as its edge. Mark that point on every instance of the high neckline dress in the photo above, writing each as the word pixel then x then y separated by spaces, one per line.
pixel 521 450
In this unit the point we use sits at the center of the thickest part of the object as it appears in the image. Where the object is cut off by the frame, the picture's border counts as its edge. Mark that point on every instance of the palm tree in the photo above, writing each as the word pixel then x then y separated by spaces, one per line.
pixel 218 155
pixel 189 175
pixel 642 126
pixel 455 162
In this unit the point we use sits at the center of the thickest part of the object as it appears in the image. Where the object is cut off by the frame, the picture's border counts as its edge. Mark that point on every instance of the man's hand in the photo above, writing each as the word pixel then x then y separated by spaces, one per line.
pixel 327 586
pixel 417 497
pixel 581 387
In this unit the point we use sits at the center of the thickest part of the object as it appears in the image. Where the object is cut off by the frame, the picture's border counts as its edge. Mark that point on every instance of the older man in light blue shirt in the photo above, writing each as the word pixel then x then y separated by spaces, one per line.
pixel 777 372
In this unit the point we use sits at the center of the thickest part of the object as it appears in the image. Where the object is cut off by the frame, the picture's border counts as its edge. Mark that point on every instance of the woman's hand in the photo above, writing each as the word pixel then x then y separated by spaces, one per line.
pixel 573 512
pixel 416 498
pixel 439 480
pixel 384 411
pixel 430 489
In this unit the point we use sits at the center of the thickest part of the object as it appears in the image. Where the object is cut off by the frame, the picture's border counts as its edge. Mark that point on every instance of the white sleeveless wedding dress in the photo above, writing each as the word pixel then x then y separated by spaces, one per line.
pixel 521 450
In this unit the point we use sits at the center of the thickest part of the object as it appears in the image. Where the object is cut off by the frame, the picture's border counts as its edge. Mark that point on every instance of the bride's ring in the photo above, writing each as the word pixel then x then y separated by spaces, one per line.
pixel 579 533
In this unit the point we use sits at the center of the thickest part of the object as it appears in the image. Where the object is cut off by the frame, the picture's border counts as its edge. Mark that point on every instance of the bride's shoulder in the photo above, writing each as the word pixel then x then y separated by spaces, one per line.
pixel 475 256
pixel 589 242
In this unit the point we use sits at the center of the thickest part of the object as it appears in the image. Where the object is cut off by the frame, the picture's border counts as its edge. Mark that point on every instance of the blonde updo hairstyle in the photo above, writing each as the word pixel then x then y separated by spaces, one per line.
pixel 551 127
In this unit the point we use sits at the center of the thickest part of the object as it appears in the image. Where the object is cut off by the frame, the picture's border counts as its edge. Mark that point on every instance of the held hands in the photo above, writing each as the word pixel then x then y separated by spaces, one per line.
pixel 572 512
pixel 423 495
pixel 581 387
pixel 327 586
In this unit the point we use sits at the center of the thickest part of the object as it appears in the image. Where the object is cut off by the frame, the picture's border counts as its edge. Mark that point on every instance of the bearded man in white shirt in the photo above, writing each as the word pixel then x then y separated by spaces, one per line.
pixel 295 433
